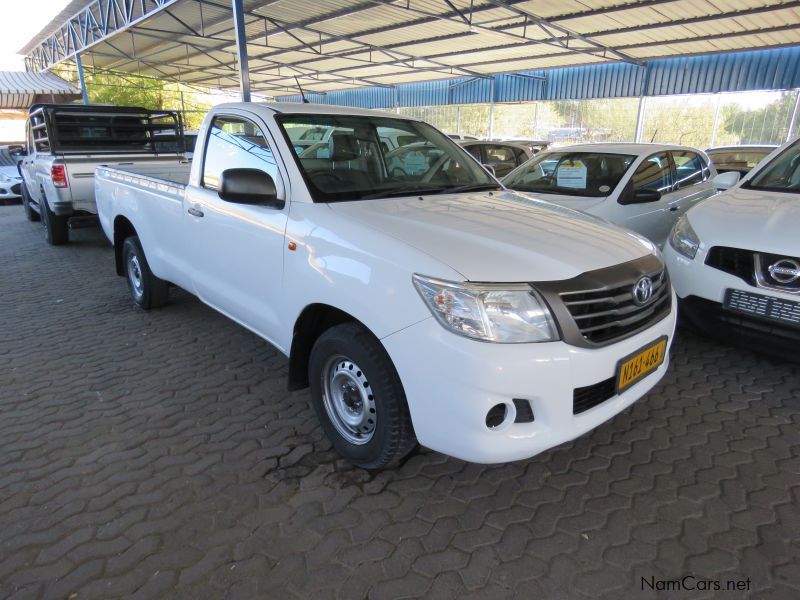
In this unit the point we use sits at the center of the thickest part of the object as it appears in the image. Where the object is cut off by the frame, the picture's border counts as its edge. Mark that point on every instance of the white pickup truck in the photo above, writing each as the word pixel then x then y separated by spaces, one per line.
pixel 429 305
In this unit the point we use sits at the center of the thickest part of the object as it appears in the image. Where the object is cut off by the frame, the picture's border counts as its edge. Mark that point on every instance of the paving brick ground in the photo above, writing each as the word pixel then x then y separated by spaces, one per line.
pixel 159 455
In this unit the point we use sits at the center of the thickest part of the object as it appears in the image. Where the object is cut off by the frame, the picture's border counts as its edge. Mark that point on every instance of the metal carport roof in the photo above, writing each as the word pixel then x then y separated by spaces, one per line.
pixel 340 44
pixel 19 89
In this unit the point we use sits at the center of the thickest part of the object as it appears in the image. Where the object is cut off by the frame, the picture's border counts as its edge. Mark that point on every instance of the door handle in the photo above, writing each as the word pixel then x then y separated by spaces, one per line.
pixel 195 212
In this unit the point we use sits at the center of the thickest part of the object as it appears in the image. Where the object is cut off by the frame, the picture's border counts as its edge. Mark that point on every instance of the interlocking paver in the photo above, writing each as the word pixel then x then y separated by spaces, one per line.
pixel 158 455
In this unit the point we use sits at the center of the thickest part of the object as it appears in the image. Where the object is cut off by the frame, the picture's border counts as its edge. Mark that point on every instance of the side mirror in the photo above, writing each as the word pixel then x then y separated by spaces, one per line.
pixel 248 186
pixel 631 196
pixel 725 181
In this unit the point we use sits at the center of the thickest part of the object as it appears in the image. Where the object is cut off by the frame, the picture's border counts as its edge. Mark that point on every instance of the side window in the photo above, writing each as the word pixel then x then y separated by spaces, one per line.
pixel 521 157
pixel 653 174
pixel 499 154
pixel 475 150
pixel 235 142
pixel 690 169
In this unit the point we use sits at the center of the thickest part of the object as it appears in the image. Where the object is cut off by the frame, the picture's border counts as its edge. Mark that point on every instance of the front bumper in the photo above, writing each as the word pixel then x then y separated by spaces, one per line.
pixel 701 292
pixel 10 190
pixel 452 382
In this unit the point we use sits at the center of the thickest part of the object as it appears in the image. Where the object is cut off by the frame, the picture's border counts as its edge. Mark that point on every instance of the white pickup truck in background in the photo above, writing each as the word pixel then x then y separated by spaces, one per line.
pixel 67 142
pixel 420 304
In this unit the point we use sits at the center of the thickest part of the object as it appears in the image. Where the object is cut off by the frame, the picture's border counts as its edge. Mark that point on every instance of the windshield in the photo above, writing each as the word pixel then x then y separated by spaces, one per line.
pixel 737 160
pixel 782 174
pixel 354 158
pixel 592 174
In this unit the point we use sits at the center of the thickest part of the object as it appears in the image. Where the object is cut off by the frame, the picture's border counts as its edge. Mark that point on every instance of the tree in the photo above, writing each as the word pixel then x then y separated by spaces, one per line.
pixel 765 125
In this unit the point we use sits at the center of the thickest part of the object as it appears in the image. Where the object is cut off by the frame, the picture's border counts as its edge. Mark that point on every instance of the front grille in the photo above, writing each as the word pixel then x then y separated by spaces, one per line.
pixel 596 308
pixel 584 398
pixel 734 261
pixel 608 314
pixel 753 267
pixel 15 189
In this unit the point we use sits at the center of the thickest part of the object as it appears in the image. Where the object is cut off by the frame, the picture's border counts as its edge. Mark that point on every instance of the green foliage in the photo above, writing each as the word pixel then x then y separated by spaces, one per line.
pixel 121 90
pixel 764 125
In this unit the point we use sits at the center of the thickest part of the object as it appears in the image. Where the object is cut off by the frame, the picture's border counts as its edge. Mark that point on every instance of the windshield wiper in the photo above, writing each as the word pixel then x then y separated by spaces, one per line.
pixel 407 191
pixel 474 187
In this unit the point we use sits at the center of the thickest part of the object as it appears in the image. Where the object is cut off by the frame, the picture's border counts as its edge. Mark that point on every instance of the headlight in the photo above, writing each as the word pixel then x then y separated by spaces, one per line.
pixel 504 313
pixel 683 238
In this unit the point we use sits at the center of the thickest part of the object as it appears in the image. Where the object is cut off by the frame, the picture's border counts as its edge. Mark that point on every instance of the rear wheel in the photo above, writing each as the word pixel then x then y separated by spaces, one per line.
pixel 30 214
pixel 359 398
pixel 56 230
pixel 147 290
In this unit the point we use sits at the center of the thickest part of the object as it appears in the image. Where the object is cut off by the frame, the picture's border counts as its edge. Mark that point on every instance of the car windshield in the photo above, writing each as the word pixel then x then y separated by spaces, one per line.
pixel 781 174
pixel 592 174
pixel 353 161
pixel 737 160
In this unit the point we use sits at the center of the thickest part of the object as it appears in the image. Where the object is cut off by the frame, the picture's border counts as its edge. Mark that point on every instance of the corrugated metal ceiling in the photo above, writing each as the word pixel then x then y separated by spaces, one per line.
pixel 340 44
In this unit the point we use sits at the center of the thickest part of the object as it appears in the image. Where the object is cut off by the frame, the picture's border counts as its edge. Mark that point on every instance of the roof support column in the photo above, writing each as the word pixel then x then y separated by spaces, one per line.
pixel 794 117
pixel 241 49
pixel 491 109
pixel 81 78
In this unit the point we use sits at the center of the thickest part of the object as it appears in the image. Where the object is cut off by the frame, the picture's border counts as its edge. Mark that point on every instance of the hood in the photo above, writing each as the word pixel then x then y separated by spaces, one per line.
pixel 749 219
pixel 10 172
pixel 584 203
pixel 500 237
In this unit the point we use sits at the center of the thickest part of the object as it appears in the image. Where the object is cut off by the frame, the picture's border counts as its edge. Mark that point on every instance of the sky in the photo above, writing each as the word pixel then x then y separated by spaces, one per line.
pixel 20 24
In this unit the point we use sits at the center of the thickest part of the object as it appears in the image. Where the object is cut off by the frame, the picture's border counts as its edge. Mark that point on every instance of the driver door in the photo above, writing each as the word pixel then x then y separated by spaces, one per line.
pixel 651 219
pixel 237 249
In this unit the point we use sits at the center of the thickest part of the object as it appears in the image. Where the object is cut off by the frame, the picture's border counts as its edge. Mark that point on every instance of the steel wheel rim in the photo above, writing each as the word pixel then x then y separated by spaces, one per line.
pixel 135 276
pixel 348 400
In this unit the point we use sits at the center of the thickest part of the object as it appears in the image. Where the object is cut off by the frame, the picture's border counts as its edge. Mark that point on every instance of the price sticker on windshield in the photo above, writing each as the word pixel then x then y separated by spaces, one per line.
pixel 571 174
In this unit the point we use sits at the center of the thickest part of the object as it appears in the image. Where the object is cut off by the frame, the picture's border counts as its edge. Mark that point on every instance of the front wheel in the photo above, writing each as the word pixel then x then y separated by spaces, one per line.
pixel 147 290
pixel 359 398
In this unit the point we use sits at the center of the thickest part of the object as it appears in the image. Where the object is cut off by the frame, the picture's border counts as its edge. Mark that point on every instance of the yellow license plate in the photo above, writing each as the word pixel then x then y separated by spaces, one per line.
pixel 640 364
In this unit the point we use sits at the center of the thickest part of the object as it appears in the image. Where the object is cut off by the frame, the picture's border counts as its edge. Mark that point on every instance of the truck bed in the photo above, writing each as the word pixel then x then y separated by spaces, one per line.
pixel 158 178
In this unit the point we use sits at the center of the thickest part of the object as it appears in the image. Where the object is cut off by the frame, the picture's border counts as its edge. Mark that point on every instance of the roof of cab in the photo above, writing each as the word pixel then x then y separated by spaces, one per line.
pixel 297 108
pixel 622 148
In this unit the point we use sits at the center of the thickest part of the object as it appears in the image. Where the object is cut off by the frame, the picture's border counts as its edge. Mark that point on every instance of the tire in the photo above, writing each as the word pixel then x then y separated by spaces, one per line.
pixel 56 231
pixel 30 214
pixel 351 374
pixel 147 290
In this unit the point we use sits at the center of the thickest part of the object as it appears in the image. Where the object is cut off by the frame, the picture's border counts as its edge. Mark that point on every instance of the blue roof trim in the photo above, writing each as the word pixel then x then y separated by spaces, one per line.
pixel 771 69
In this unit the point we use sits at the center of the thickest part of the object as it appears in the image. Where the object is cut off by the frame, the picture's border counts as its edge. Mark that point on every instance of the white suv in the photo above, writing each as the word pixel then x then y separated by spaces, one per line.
pixel 735 259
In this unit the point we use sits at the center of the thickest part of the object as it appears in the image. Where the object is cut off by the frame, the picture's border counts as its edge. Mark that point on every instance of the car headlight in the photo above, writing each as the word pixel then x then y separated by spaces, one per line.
pixel 505 313
pixel 683 239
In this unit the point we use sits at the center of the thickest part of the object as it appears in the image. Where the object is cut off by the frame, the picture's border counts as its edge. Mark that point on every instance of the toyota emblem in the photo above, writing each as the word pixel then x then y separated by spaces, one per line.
pixel 643 291
pixel 785 270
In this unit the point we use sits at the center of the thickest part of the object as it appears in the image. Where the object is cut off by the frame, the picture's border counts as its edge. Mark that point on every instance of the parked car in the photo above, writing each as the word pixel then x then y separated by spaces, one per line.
pixel 533 146
pixel 435 308
pixel 644 187
pixel 735 259
pixel 500 157
pixel 66 142
pixel 741 159
pixel 10 178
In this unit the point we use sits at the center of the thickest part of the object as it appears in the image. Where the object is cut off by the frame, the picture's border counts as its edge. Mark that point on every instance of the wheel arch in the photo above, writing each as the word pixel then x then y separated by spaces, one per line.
pixel 312 322
pixel 123 229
